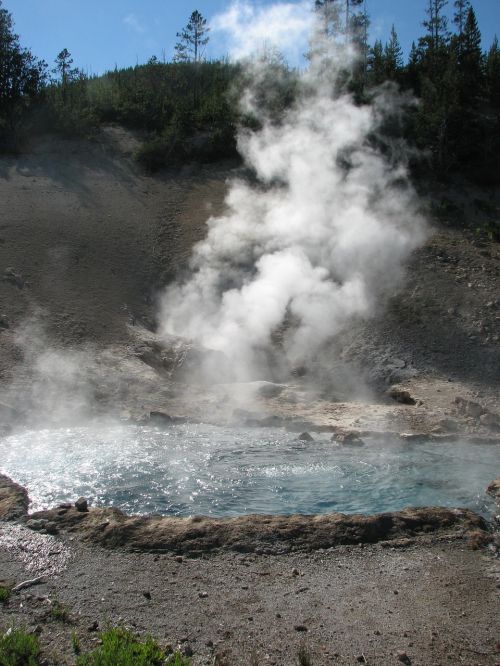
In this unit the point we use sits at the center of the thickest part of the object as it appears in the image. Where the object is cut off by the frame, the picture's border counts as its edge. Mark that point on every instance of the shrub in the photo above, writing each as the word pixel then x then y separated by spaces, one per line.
pixel 60 613
pixel 178 659
pixel 4 594
pixel 17 648
pixel 304 656
pixel 122 648
pixel 75 643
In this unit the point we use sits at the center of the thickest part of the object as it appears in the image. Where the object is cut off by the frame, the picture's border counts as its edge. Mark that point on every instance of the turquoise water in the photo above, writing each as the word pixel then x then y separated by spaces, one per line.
pixel 208 470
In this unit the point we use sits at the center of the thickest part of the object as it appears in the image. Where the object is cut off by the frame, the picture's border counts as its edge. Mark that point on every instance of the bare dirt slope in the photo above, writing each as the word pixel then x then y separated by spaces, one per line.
pixel 91 237
pixel 87 241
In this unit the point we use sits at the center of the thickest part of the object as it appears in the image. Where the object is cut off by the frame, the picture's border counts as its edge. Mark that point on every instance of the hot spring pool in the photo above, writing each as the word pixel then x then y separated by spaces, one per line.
pixel 208 470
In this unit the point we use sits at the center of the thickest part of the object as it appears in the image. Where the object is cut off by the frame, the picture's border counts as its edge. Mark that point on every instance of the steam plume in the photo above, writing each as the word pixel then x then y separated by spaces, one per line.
pixel 322 237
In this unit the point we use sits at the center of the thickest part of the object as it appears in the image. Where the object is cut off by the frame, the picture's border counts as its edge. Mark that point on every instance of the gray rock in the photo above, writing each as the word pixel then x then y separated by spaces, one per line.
pixel 160 418
pixel 468 407
pixel 494 489
pixel 305 437
pixel 269 390
pixel 51 528
pixel 448 425
pixel 82 505
pixel 36 524
pixel 10 276
pixel 401 396
pixel 489 420
pixel 300 627
pixel 347 439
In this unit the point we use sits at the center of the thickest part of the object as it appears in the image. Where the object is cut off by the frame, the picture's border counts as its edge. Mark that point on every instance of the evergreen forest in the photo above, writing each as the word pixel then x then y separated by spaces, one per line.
pixel 187 109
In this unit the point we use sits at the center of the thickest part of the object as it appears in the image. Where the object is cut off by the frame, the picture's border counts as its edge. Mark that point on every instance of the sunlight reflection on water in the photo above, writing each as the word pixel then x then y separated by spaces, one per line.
pixel 201 469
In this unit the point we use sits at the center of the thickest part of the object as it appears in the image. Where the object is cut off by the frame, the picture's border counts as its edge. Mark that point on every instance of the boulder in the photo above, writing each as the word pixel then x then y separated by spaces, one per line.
pixel 447 425
pixel 490 420
pixel 269 390
pixel 160 419
pixel 36 524
pixel 468 407
pixel 494 489
pixel 414 437
pixel 13 499
pixel 182 361
pixel 82 505
pixel 10 276
pixel 348 438
pixel 305 437
pixel 401 396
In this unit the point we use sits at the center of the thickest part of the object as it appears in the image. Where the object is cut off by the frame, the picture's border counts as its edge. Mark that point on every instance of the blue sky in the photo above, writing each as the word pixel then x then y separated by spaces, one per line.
pixel 102 33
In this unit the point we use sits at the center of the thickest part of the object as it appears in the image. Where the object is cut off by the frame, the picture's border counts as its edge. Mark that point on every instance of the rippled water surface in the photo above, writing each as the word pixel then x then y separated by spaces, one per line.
pixel 200 469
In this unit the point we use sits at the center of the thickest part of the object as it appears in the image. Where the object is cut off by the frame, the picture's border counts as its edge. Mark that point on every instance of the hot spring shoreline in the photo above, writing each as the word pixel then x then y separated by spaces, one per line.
pixel 254 533
pixel 418 586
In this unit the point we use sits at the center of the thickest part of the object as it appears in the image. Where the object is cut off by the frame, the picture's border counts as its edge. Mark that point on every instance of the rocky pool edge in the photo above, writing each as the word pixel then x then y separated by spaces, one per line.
pixel 200 535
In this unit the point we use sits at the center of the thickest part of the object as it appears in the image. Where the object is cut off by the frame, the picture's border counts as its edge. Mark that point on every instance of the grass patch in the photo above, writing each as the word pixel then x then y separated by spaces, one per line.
pixel 304 656
pixel 122 648
pixel 75 643
pixel 17 648
pixel 4 594
pixel 60 613
pixel 178 659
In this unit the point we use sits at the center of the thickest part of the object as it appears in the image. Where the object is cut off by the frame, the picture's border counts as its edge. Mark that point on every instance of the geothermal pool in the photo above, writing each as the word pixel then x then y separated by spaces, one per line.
pixel 208 470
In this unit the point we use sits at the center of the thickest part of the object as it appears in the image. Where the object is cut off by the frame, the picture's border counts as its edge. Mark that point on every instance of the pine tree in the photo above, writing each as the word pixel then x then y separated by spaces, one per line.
pixel 343 18
pixel 353 26
pixel 63 66
pixel 192 39
pixel 393 56
pixel 21 77
pixel 461 10
pixel 376 63
pixel 412 72
pixel 65 74
pixel 471 62
pixel 435 41
pixel 493 74
pixel 329 14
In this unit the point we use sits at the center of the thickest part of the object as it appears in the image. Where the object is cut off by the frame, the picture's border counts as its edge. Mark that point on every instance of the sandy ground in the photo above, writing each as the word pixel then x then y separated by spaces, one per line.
pixel 436 602
pixel 86 244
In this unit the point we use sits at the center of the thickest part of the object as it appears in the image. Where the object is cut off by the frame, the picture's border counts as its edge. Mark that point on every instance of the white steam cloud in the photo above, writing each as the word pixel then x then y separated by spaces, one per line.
pixel 323 235
pixel 283 26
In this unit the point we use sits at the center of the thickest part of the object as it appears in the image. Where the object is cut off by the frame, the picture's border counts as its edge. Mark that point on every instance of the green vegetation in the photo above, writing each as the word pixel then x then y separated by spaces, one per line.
pixel 188 109
pixel 192 40
pixel 18 648
pixel 75 643
pixel 60 613
pixel 304 656
pixel 177 659
pixel 22 78
pixel 4 594
pixel 122 648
